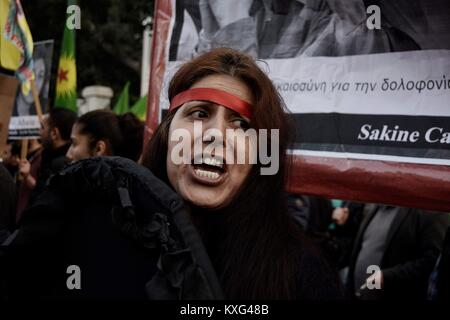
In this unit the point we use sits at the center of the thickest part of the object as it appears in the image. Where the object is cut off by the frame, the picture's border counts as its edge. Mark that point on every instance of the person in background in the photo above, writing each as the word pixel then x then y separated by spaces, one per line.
pixel 313 214
pixel 11 160
pixel 103 133
pixel 7 203
pixel 403 244
pixel 28 171
pixel 55 138
pixel 439 281
pixel 346 217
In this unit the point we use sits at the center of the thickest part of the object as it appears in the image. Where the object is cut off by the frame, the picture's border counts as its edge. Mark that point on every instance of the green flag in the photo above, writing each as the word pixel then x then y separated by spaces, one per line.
pixel 140 108
pixel 123 103
pixel 66 86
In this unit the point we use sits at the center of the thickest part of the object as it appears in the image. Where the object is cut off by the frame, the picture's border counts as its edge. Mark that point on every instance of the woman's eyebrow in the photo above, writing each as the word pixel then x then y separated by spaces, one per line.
pixel 201 104
pixel 232 113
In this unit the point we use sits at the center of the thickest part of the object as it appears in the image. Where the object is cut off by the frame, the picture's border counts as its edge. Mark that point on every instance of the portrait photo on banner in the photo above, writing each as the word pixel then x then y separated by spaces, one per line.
pixel 24 121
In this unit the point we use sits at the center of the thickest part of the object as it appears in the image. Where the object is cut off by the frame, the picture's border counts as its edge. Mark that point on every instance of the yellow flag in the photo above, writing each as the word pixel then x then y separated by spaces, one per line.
pixel 9 53
pixel 15 30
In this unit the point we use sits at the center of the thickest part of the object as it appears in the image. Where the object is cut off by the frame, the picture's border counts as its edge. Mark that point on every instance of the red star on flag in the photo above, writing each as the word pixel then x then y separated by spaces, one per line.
pixel 62 75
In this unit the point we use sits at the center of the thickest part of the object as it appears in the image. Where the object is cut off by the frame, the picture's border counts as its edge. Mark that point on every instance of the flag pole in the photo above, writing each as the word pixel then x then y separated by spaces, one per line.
pixel 24 149
pixel 23 154
pixel 37 101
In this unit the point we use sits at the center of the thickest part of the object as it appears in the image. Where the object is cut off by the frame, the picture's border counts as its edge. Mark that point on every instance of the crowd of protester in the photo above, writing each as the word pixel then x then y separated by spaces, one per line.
pixel 64 138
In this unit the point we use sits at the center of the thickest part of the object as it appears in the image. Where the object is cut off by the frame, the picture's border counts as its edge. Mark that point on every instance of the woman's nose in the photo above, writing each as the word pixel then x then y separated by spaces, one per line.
pixel 214 129
pixel 217 121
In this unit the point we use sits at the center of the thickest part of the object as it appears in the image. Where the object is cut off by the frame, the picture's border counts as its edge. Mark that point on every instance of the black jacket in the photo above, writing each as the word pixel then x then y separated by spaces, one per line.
pixel 7 203
pixel 126 230
pixel 413 242
pixel 53 160
pixel 443 269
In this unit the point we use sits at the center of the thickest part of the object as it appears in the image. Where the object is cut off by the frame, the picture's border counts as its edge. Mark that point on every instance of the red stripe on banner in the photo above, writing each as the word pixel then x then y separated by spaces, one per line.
pixel 162 16
pixel 402 184
pixel 220 97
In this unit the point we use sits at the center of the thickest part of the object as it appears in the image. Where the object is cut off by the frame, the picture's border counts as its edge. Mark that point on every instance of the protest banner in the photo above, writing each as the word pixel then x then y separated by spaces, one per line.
pixel 369 94
pixel 25 122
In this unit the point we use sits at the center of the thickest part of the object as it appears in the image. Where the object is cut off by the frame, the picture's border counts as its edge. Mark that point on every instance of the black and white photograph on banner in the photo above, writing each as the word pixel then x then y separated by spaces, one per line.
pixel 24 121
pixel 279 29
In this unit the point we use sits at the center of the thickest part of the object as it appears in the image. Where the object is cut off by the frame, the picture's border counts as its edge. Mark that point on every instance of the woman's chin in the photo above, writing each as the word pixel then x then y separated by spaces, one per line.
pixel 209 205
pixel 205 200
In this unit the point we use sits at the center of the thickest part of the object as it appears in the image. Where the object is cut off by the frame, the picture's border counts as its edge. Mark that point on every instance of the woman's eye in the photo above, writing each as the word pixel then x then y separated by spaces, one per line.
pixel 199 114
pixel 241 123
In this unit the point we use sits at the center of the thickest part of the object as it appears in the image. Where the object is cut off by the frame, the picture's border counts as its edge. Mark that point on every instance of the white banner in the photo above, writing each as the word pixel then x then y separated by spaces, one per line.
pixel 401 83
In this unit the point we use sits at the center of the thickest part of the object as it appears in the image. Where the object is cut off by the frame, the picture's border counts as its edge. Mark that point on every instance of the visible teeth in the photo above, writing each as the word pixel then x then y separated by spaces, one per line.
pixel 216 163
pixel 207 174
pixel 212 162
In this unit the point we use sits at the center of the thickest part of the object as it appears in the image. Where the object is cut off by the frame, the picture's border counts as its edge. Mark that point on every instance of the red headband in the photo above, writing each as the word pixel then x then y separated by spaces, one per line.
pixel 220 97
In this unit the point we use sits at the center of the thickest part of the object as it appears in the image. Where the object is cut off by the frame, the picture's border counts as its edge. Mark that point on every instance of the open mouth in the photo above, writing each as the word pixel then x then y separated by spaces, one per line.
pixel 210 169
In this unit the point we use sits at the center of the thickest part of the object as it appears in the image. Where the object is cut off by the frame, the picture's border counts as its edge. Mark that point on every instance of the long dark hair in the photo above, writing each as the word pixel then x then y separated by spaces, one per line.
pixel 253 243
pixel 123 134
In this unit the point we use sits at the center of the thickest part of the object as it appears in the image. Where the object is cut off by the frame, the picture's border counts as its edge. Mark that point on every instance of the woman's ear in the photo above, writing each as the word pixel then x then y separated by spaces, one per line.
pixel 100 148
